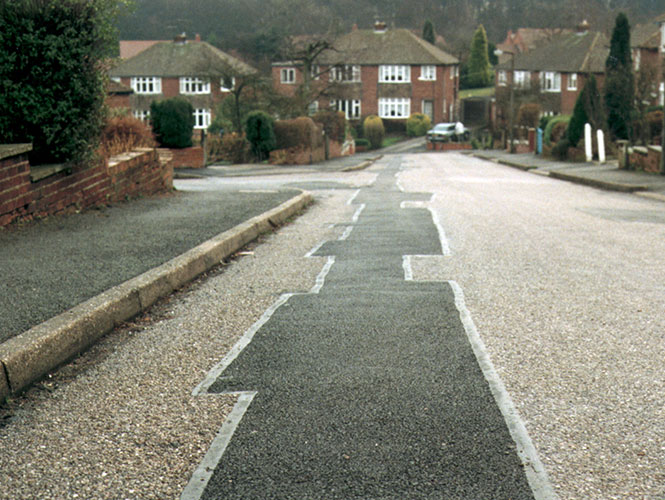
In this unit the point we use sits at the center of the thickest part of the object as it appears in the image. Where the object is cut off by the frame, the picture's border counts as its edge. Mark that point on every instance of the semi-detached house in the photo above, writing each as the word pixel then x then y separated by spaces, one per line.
pixel 391 73
pixel 192 69
pixel 554 73
pixel 648 47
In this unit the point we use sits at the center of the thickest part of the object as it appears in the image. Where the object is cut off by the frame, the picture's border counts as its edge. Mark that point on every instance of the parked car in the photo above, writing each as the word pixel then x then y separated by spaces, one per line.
pixel 444 132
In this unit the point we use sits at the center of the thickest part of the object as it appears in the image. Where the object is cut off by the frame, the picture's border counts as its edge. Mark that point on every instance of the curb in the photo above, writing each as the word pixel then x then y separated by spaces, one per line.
pixel 362 165
pixel 608 185
pixel 29 356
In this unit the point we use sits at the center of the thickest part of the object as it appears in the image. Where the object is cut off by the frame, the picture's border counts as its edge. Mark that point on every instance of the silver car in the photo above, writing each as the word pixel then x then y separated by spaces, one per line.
pixel 444 132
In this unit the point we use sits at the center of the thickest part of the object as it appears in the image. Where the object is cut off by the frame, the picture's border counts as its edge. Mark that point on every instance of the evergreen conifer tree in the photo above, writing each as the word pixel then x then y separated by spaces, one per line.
pixel 619 81
pixel 479 74
pixel 428 32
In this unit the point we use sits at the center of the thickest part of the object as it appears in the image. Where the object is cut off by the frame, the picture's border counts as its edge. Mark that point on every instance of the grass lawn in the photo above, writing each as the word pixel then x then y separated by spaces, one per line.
pixel 390 140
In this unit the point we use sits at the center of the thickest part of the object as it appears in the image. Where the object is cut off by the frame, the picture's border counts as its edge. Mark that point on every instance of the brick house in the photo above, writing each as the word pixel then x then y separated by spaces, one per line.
pixel 391 73
pixel 526 39
pixel 192 69
pixel 554 73
pixel 648 49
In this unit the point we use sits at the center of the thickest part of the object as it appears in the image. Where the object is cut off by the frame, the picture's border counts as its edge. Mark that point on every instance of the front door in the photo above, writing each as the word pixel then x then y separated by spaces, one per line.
pixel 428 109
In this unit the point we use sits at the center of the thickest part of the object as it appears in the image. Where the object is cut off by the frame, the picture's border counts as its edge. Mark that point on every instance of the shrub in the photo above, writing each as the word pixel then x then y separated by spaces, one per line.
pixel 298 132
pixel 234 148
pixel 260 133
pixel 51 79
pixel 544 120
pixel 528 114
pixel 417 125
pixel 654 120
pixel 334 124
pixel 125 133
pixel 172 122
pixel 548 135
pixel 560 150
pixel 373 131
pixel 362 143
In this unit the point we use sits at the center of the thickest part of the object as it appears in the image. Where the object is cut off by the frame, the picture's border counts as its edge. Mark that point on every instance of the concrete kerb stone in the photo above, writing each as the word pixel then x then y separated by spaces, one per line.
pixel 607 185
pixel 28 357
pixel 362 165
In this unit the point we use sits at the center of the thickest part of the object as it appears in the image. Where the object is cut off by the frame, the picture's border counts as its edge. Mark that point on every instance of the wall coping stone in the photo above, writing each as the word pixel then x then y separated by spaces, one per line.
pixel 7 150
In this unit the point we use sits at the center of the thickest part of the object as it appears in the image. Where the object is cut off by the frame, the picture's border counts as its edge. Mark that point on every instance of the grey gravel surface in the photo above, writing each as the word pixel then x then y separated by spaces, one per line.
pixel 121 421
pixel 52 265
pixel 565 284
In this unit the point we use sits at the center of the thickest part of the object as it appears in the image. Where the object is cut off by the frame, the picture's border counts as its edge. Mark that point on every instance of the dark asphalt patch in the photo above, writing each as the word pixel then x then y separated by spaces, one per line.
pixel 368 389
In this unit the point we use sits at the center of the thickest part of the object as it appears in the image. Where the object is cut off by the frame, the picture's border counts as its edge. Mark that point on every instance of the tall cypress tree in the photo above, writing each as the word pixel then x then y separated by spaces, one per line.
pixel 428 32
pixel 619 81
pixel 479 65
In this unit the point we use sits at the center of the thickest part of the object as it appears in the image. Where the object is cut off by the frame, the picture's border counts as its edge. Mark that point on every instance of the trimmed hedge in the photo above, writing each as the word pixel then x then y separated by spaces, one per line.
pixel 374 131
pixel 298 132
pixel 547 135
pixel 51 80
pixel 260 132
pixel 172 122
pixel 417 125
pixel 334 124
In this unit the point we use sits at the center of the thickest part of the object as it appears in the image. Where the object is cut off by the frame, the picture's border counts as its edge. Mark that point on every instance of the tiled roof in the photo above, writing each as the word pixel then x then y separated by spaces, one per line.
pixel 568 53
pixel 130 48
pixel 647 35
pixel 113 87
pixel 173 59
pixel 393 46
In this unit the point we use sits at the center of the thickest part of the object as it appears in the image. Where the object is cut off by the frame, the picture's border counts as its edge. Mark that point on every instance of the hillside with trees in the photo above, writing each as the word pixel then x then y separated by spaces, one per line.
pixel 256 27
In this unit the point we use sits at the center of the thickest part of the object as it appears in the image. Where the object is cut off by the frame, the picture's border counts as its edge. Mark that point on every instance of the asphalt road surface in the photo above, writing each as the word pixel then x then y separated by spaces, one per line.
pixel 367 387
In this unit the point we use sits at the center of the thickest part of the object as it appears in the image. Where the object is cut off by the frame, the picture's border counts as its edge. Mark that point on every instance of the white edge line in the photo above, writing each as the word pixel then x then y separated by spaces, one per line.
pixel 406 264
pixel 533 467
pixel 353 197
pixel 347 233
pixel 239 346
pixel 321 278
pixel 201 476
pixel 445 248
pixel 356 215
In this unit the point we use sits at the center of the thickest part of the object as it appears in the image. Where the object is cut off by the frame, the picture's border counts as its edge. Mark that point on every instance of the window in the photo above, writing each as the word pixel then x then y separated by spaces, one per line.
pixel 288 75
pixel 227 83
pixel 572 81
pixel 428 72
pixel 192 86
pixel 146 85
pixel 394 74
pixel 662 94
pixel 394 107
pixel 351 108
pixel 550 81
pixel 502 78
pixel 522 79
pixel 142 114
pixel 313 108
pixel 314 72
pixel 201 118
pixel 347 73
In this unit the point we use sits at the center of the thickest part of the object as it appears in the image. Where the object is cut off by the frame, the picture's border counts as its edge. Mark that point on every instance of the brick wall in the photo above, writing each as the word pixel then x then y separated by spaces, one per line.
pixel 646 159
pixel 188 157
pixel 23 195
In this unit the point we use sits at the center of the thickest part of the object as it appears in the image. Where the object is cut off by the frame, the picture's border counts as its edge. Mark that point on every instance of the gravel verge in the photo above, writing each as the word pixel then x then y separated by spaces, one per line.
pixel 120 421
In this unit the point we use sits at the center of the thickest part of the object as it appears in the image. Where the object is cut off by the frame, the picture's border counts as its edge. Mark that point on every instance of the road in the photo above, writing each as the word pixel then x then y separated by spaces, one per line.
pixel 561 283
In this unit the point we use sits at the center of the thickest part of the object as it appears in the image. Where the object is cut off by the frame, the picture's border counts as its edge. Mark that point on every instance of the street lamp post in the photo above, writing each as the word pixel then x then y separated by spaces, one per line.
pixel 511 112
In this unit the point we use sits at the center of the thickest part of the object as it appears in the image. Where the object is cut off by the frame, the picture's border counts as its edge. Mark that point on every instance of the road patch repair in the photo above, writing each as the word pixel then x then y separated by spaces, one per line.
pixel 372 385
pixel 29 356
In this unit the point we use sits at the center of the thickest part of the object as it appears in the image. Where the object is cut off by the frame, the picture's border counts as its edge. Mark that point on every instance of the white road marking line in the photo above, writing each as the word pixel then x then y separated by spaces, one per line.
pixel 535 471
pixel 199 480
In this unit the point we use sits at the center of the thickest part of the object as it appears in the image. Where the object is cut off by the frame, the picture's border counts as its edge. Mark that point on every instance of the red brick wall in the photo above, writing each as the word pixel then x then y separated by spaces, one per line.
pixel 188 157
pixel 648 161
pixel 138 173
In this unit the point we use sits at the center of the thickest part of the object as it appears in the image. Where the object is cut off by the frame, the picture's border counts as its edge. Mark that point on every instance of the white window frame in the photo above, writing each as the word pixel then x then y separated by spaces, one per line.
pixel 522 79
pixel 350 107
pixel 394 73
pixel 348 73
pixel 315 72
pixel 394 108
pixel 572 81
pixel 224 88
pixel 313 108
pixel 550 81
pixel 502 78
pixel 146 84
pixel 202 118
pixel 142 114
pixel 192 85
pixel 428 73
pixel 287 76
